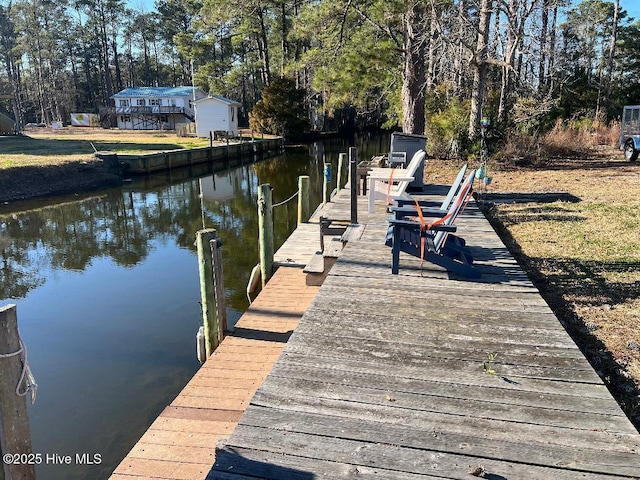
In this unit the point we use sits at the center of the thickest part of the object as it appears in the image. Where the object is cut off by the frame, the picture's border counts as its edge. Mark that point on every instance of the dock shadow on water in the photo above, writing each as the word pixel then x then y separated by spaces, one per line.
pixel 107 293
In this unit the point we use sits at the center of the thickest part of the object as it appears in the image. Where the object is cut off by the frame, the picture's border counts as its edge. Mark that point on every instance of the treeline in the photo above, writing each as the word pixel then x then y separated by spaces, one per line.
pixel 434 65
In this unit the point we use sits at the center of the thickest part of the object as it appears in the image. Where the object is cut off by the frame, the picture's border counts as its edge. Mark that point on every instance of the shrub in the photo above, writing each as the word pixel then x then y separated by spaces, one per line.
pixel 281 110
pixel 521 149
pixel 447 124
pixel 567 138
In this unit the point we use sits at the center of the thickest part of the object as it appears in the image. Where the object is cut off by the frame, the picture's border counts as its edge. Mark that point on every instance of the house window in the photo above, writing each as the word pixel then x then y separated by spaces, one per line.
pixel 164 118
pixel 233 113
pixel 155 102
pixel 140 102
pixel 125 118
pixel 124 103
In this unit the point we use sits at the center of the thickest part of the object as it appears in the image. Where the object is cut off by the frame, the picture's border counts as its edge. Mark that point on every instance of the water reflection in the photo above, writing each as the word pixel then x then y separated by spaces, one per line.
pixel 107 292
pixel 122 224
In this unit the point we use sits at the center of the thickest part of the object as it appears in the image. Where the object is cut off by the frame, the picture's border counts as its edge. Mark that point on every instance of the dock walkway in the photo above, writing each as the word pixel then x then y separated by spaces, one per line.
pixel 180 444
pixel 422 375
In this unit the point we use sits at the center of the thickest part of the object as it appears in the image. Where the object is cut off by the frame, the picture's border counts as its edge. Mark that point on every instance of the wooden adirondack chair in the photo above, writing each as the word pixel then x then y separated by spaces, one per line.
pixel 432 241
pixel 389 184
pixel 434 207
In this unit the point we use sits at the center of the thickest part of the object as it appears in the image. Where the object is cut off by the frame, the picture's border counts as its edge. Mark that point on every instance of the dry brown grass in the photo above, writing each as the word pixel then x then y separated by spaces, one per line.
pixel 584 256
pixel 567 139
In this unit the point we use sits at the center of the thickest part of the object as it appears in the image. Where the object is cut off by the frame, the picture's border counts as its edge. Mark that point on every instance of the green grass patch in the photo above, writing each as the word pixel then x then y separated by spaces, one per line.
pixel 78 145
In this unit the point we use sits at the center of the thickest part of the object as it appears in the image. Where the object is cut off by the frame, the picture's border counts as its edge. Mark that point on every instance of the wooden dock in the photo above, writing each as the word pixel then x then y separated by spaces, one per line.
pixel 180 444
pixel 422 375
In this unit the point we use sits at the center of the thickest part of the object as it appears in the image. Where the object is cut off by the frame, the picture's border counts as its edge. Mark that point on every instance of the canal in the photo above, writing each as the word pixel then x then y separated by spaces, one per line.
pixel 107 293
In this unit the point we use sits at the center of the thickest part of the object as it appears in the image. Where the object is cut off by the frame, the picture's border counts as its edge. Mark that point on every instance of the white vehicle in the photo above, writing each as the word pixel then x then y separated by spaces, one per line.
pixel 630 132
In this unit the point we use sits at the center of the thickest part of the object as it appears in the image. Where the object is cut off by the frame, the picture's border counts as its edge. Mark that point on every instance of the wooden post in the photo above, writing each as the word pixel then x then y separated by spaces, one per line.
pixel 303 199
pixel 353 176
pixel 265 231
pixel 15 437
pixel 341 160
pixel 211 288
pixel 326 183
pixel 218 285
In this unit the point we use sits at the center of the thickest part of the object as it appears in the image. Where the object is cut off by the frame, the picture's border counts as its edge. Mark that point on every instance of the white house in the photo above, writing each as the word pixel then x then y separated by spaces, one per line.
pixel 216 114
pixel 155 108
pixel 222 186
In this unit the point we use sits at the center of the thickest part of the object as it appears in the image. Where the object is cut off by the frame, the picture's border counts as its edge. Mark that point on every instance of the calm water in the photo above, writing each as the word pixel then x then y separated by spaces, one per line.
pixel 107 292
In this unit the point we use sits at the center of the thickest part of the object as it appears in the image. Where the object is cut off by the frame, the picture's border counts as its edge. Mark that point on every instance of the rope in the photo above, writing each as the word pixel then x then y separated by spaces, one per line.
pixel 201 202
pixel 288 199
pixel 389 185
pixel 31 385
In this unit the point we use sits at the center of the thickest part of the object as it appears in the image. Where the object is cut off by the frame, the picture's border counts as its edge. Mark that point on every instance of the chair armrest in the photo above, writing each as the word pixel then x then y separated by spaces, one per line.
pixel 423 203
pixel 387 171
pixel 426 212
pixel 412 224
pixel 386 177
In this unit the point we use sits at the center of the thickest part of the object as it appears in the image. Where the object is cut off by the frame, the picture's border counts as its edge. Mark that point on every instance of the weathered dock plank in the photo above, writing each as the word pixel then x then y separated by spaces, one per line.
pixel 426 449
pixel 342 397
pixel 316 452
pixel 574 400
pixel 391 376
pixel 298 249
pixel 180 444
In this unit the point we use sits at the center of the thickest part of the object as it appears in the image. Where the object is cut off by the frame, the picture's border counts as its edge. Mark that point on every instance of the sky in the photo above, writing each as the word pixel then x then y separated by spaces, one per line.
pixel 631 6
pixel 144 5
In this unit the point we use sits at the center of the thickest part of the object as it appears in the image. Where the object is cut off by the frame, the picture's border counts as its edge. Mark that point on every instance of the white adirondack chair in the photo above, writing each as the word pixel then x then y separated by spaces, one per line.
pixel 389 184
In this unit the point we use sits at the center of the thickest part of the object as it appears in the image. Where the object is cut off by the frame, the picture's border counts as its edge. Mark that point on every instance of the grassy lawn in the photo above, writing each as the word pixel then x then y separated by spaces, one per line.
pixel 583 254
pixel 75 144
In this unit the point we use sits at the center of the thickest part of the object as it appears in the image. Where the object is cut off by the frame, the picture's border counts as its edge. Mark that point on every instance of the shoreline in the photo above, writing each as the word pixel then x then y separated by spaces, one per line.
pixel 29 182
pixel 107 169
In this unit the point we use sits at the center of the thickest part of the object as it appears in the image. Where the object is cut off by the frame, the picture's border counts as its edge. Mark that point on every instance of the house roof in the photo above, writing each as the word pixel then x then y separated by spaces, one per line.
pixel 228 101
pixel 155 92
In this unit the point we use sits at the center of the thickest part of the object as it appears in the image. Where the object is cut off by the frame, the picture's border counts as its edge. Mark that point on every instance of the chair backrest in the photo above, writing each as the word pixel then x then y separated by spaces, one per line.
pixel 458 203
pixel 397 157
pixel 415 162
pixel 454 188
pixel 410 171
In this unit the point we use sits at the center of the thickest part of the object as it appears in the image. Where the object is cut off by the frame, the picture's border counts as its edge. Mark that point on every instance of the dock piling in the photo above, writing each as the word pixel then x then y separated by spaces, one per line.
pixel 218 284
pixel 265 231
pixel 211 288
pixel 303 199
pixel 326 183
pixel 15 436
pixel 353 177
pixel 341 161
